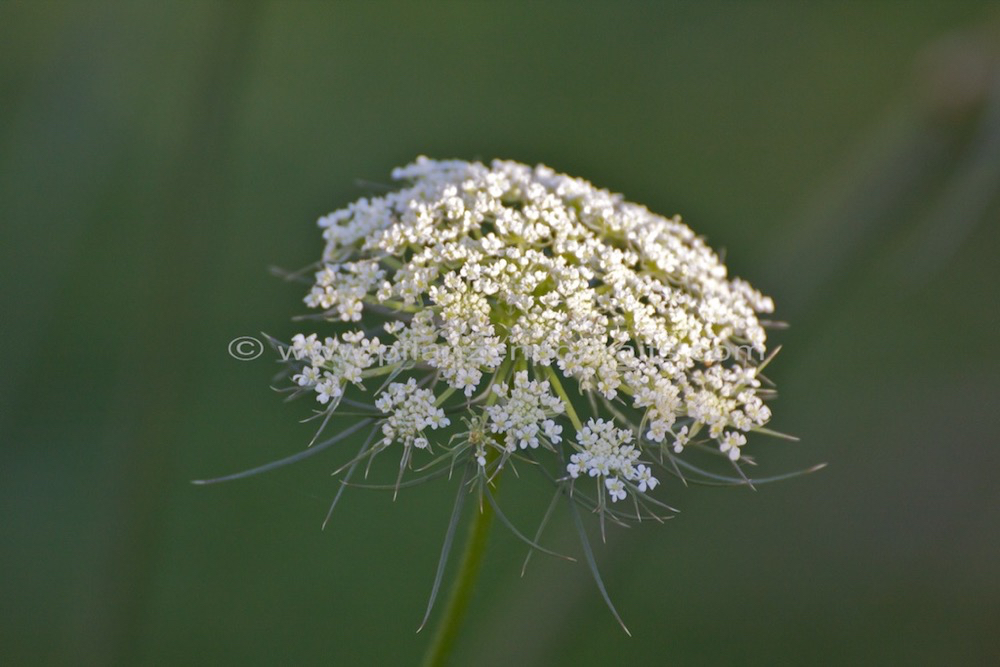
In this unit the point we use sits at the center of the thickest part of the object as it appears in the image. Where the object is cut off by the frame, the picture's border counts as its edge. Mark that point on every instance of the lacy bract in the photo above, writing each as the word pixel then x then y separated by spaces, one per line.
pixel 481 299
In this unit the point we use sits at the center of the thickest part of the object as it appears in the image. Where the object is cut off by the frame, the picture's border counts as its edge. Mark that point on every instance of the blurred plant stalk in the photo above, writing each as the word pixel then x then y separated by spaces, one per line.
pixel 915 192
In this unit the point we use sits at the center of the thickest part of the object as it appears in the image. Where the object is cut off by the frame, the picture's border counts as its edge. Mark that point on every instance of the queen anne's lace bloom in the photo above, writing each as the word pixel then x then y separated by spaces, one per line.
pixel 505 288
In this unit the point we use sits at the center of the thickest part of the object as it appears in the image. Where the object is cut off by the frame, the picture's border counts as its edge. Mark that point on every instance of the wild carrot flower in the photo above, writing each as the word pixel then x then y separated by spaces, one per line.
pixel 515 288
pixel 484 315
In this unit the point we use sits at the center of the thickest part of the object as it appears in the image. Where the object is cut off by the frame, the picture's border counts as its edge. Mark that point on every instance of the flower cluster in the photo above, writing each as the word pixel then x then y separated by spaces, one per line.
pixel 502 291
pixel 606 453
pixel 410 410
pixel 334 363
pixel 524 411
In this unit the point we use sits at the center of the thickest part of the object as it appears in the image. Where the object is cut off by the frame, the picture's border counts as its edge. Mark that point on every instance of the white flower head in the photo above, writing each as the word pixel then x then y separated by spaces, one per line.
pixel 517 299
pixel 506 286
pixel 486 318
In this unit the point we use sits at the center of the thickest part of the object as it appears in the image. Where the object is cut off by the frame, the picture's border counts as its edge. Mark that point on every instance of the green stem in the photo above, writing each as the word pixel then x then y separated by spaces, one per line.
pixel 390 261
pixel 379 370
pixel 461 592
pixel 393 305
pixel 444 397
pixel 557 385
pixel 472 559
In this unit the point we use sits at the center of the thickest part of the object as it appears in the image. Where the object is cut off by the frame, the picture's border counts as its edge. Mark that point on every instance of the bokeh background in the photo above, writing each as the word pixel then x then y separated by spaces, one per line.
pixel 157 157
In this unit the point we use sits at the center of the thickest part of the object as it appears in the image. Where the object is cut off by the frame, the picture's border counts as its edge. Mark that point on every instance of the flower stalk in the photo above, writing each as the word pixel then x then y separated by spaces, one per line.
pixel 452 618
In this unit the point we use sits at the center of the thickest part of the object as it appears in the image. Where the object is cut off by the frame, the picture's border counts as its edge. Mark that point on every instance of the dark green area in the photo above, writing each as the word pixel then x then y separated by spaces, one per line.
pixel 156 158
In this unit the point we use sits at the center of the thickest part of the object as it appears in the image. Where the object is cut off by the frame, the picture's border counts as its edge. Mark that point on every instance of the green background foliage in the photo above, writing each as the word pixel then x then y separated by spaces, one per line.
pixel 157 157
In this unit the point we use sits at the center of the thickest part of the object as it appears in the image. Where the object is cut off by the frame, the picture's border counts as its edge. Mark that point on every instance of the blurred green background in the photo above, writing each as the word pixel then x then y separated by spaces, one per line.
pixel 156 158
